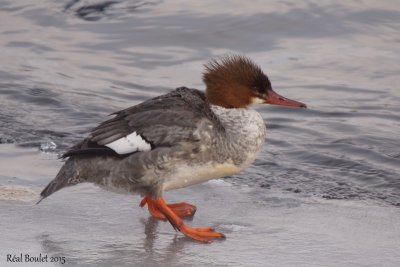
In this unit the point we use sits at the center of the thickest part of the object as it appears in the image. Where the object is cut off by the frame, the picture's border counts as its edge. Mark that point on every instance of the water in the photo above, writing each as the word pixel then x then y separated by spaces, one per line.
pixel 67 64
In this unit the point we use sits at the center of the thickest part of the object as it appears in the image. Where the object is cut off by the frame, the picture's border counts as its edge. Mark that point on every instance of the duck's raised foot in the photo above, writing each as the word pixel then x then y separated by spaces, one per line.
pixel 182 209
pixel 158 208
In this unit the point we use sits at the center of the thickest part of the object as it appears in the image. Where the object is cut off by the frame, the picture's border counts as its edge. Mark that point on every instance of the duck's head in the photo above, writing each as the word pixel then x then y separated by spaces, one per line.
pixel 235 81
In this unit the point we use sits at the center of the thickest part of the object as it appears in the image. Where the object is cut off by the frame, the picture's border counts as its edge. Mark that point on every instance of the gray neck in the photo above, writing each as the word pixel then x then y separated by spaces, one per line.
pixel 244 133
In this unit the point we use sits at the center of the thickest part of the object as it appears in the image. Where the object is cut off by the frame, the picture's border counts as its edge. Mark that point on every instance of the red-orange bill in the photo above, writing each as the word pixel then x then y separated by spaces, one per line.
pixel 275 99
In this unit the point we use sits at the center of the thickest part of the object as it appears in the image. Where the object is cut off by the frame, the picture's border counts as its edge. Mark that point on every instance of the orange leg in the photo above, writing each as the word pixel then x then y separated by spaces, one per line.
pixel 181 209
pixel 200 234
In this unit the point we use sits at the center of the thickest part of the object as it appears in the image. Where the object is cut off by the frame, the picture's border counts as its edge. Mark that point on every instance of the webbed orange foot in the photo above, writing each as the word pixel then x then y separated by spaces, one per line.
pixel 200 234
pixel 181 209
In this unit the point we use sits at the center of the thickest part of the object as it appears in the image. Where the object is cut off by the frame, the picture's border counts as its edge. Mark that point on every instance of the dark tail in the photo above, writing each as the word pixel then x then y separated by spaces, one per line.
pixel 67 176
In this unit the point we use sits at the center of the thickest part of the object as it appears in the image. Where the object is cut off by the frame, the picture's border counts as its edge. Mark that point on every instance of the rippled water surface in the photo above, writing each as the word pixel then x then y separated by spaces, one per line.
pixel 65 65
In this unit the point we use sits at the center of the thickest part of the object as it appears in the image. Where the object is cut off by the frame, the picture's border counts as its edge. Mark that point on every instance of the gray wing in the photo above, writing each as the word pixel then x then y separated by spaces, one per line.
pixel 180 116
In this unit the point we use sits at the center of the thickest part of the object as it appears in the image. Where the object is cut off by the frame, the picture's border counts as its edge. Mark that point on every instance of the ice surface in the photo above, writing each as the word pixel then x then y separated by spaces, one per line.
pixel 92 227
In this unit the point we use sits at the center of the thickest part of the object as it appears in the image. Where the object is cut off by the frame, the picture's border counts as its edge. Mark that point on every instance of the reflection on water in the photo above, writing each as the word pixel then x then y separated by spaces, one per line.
pixel 146 252
pixel 92 227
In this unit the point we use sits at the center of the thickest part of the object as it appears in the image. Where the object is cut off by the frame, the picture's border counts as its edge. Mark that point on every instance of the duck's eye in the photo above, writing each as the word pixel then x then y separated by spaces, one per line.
pixel 260 94
pixel 259 91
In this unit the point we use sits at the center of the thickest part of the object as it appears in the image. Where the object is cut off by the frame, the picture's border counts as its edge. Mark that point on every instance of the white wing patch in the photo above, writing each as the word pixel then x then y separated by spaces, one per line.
pixel 128 144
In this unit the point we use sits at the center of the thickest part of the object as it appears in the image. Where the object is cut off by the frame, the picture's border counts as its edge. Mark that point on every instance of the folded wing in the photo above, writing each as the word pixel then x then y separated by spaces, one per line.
pixel 180 116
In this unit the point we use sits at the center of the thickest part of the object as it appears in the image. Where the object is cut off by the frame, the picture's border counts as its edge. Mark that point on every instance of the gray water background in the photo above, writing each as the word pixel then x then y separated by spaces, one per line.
pixel 66 65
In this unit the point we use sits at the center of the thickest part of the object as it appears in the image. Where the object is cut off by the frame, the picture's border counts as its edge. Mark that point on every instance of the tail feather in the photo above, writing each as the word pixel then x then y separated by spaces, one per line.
pixel 67 176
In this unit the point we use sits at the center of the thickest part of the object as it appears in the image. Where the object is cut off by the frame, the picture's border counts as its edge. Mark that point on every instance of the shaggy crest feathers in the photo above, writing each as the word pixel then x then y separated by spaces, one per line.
pixel 234 71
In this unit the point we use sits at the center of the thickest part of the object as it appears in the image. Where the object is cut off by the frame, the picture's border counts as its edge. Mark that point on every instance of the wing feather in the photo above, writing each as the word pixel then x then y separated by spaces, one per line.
pixel 164 121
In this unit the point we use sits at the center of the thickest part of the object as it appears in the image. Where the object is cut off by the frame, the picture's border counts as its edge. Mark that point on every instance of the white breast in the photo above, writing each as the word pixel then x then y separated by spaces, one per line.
pixel 186 175
pixel 238 147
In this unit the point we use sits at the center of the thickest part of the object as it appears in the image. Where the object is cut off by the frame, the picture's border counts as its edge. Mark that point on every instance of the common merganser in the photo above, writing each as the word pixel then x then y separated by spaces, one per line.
pixel 176 140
